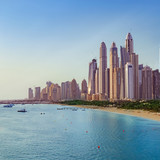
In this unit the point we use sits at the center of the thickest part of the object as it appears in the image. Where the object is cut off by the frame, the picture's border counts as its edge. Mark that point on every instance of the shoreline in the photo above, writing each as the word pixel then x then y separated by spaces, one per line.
pixel 131 112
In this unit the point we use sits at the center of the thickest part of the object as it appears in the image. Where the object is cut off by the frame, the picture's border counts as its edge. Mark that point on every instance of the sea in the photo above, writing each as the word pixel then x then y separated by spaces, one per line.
pixel 55 132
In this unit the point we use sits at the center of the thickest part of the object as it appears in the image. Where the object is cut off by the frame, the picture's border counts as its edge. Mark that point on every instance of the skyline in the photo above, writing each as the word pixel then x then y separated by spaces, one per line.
pixel 35 42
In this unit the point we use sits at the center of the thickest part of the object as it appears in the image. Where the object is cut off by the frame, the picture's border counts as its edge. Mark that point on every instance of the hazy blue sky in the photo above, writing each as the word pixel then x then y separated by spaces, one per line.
pixel 54 40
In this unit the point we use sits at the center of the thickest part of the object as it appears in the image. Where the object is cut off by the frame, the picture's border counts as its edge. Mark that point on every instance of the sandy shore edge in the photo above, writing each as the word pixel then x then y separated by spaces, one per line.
pixel 137 113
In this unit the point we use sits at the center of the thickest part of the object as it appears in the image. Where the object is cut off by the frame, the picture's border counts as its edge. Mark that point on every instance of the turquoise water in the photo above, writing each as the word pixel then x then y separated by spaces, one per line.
pixel 75 135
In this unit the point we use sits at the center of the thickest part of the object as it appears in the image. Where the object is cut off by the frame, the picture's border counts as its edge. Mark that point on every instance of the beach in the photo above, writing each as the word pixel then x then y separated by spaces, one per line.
pixel 138 113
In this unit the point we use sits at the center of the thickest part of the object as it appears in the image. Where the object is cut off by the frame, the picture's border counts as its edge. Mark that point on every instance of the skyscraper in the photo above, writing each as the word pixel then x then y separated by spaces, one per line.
pixel 48 83
pixel 54 92
pixel 124 59
pixel 74 89
pixel 102 68
pixel 84 88
pixel 107 79
pixel 129 43
pixel 129 86
pixel 147 83
pixel 91 76
pixel 44 95
pixel 66 90
pixel 133 58
pixel 37 93
pixel 63 91
pixel 156 84
pixel 30 93
pixel 97 81
pixel 116 81
pixel 140 81
pixel 114 73
pixel 134 61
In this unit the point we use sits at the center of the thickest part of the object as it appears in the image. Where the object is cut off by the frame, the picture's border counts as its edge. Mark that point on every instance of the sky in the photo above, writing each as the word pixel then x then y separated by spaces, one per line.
pixel 54 40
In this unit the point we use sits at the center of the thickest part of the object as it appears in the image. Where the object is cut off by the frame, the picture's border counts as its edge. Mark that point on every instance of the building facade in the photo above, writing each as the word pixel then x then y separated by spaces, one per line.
pixel 30 93
pixel 129 85
pixel 147 83
pixel 37 93
pixel 107 74
pixel 114 73
pixel 91 76
pixel 129 44
pixel 102 68
pixel 156 84
pixel 124 59
pixel 74 90
pixel 140 82
pixel 134 61
pixel 97 81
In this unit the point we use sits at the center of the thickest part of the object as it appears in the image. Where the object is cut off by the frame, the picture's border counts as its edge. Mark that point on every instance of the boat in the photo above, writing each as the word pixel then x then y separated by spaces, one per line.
pixel 22 110
pixel 60 108
pixel 8 105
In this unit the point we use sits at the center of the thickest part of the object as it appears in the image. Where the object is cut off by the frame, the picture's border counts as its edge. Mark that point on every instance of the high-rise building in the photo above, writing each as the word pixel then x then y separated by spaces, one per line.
pixel 30 93
pixel 116 82
pixel 37 93
pixel 129 43
pixel 84 88
pixel 147 83
pixel 54 92
pixel 129 86
pixel 47 88
pixel 74 90
pixel 140 81
pixel 97 81
pixel 44 95
pixel 156 84
pixel 124 59
pixel 134 61
pixel 91 76
pixel 66 90
pixel 102 68
pixel 114 73
pixel 63 91
pixel 78 92
pixel 107 74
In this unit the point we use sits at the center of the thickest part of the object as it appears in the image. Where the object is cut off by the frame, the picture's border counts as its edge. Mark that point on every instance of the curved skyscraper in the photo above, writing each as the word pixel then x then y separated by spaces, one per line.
pixel 102 68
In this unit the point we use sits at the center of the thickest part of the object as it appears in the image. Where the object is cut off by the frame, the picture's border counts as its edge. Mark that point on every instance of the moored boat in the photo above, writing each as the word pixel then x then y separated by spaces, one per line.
pixel 8 105
pixel 22 110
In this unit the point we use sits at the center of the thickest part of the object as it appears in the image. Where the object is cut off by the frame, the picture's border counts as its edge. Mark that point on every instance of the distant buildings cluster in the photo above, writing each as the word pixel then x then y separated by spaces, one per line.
pixel 123 79
pixel 54 92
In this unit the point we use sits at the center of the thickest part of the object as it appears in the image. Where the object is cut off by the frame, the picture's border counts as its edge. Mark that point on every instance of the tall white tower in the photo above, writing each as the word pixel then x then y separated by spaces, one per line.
pixel 129 85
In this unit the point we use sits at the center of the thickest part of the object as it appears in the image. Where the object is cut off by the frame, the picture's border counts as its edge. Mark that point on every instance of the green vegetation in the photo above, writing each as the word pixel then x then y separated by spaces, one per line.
pixel 152 105
pixel 93 103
